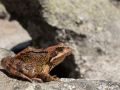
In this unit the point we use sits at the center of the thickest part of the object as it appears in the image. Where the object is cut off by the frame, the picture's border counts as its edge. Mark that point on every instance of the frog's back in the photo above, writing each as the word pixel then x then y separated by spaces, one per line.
pixel 34 57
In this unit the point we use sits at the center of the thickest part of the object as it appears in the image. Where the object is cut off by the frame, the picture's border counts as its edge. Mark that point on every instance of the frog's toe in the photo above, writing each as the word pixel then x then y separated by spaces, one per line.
pixel 37 80
pixel 55 77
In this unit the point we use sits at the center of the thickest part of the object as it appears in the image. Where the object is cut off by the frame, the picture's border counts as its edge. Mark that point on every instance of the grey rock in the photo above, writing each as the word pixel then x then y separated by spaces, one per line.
pixel 3 12
pixel 65 84
pixel 116 3
pixel 12 34
pixel 86 17
pixel 5 52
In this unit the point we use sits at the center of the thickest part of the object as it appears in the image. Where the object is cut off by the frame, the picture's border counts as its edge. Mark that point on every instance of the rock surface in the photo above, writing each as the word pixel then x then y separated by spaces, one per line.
pixel 80 16
pixel 12 34
pixel 116 3
pixel 65 84
pixel 3 13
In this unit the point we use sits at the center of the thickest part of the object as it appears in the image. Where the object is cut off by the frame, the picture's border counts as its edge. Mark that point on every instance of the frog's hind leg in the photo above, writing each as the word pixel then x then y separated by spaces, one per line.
pixel 19 74
pixel 48 77
pixel 25 77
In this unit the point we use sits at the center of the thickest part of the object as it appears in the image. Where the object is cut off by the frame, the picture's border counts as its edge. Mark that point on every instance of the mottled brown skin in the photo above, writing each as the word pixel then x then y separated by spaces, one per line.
pixel 35 64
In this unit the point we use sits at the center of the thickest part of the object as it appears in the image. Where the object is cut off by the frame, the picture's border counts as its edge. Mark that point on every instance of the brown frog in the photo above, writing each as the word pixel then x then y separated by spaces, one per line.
pixel 35 64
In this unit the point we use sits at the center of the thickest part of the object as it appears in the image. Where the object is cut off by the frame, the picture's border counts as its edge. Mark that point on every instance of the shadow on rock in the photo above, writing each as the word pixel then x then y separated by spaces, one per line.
pixel 67 69
pixel 21 46
pixel 30 17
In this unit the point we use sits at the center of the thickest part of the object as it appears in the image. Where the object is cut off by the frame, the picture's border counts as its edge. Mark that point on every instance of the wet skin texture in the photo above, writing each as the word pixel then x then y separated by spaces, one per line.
pixel 35 64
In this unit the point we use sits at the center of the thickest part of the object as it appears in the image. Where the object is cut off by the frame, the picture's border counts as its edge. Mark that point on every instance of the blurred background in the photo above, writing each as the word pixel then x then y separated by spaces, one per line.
pixel 90 27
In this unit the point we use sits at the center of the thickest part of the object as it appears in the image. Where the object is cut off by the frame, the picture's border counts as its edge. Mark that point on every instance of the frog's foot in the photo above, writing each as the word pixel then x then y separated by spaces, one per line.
pixel 37 79
pixel 25 77
pixel 47 77
pixel 55 77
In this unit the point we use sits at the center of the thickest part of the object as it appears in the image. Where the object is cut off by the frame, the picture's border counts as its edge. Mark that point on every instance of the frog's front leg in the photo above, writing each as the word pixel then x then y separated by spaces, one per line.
pixel 48 77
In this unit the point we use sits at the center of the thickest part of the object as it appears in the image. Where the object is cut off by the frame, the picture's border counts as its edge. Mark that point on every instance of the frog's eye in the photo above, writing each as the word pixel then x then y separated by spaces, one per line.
pixel 59 49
